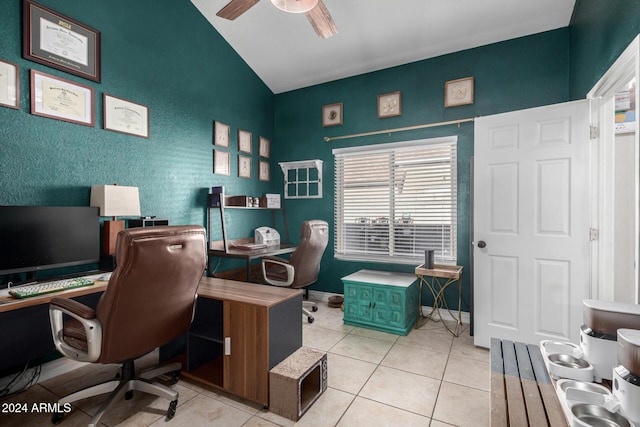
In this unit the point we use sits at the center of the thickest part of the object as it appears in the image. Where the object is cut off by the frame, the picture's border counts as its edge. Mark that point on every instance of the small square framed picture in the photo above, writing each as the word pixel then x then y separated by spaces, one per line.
pixel 221 162
pixel 332 114
pixel 244 167
pixel 244 141
pixel 220 134
pixel 264 148
pixel 264 171
pixel 389 105
pixel 458 92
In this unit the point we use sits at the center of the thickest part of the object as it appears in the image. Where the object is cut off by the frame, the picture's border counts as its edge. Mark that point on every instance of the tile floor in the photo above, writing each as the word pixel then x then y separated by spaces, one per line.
pixel 428 378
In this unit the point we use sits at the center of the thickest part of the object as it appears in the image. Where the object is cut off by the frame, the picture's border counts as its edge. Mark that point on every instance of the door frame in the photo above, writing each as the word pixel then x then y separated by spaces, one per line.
pixel 601 98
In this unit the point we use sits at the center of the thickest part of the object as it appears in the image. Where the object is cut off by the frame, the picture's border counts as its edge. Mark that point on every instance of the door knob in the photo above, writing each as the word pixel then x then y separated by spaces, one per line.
pixel 482 244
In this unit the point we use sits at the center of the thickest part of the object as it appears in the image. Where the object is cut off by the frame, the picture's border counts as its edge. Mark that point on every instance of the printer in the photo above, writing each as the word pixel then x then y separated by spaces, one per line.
pixel 266 236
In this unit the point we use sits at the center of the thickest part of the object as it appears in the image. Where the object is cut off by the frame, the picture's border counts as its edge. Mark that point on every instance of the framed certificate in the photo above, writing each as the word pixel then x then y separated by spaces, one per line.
pixel 125 116
pixel 9 85
pixel 264 148
pixel 221 162
pixel 61 99
pixel 220 134
pixel 244 141
pixel 60 42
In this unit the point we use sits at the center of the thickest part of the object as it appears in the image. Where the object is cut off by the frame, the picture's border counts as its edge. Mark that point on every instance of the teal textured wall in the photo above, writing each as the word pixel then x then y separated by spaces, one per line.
pixel 599 32
pixel 516 74
pixel 163 54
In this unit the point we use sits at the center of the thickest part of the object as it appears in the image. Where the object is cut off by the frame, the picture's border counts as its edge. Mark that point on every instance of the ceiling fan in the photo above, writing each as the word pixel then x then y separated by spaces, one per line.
pixel 316 12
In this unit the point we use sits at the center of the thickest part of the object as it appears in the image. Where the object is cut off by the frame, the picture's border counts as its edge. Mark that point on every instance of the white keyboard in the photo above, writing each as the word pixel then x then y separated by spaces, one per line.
pixel 48 287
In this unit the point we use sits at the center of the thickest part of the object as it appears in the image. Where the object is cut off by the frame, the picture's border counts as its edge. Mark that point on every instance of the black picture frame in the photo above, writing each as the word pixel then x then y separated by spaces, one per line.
pixel 58 41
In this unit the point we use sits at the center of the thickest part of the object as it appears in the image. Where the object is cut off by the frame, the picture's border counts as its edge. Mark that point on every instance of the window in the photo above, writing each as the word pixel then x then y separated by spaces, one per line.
pixel 394 201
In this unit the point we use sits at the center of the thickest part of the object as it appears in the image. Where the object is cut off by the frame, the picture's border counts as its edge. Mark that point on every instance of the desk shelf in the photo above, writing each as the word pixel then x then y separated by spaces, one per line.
pixel 232 202
pixel 240 331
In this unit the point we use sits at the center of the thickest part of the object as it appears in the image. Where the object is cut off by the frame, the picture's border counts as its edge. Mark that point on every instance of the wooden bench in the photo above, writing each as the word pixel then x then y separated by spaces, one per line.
pixel 522 393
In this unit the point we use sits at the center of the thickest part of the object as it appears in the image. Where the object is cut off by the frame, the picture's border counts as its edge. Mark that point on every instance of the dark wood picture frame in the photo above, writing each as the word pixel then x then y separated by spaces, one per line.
pixel 79 55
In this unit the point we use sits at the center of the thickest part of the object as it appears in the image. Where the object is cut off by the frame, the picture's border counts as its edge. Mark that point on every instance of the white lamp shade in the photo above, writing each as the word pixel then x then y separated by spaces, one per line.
pixel 295 6
pixel 116 200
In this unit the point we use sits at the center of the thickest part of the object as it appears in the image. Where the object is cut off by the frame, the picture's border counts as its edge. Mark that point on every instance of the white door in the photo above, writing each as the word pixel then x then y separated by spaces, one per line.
pixel 531 223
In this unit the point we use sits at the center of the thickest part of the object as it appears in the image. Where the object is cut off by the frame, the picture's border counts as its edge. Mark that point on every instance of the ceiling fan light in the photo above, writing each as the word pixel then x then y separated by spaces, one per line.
pixel 295 6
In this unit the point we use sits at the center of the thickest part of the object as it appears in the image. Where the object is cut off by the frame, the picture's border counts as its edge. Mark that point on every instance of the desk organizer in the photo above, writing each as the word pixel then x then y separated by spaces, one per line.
pixel 297 382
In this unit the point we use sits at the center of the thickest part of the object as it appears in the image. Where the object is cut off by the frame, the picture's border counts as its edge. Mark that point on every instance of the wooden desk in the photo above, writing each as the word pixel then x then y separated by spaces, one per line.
pixel 25 332
pixel 239 333
pixel 216 249
pixel 8 303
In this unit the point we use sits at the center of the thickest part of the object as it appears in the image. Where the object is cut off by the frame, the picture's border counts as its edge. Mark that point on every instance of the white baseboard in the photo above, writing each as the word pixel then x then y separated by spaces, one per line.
pixel 324 296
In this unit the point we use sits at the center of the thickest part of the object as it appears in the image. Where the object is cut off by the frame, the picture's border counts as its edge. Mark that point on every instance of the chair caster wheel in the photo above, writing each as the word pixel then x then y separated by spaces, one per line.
pixel 310 319
pixel 175 377
pixel 172 409
pixel 57 417
pixel 314 308
pixel 128 395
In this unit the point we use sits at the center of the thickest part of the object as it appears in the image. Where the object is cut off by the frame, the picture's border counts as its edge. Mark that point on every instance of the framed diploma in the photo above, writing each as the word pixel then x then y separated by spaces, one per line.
pixel 60 42
pixel 263 174
pixel 61 99
pixel 220 134
pixel 221 162
pixel 125 116
pixel 264 147
pixel 244 141
pixel 9 85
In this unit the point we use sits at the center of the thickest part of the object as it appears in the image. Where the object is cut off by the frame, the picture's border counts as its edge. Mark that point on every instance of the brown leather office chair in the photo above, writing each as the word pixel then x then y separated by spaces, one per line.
pixel 149 301
pixel 301 270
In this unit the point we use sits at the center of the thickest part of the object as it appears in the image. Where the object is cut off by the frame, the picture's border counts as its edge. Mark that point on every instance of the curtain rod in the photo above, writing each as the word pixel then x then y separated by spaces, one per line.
pixel 378 132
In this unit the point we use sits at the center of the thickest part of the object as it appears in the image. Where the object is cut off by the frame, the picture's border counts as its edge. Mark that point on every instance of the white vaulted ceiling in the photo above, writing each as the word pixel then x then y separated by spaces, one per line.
pixel 286 53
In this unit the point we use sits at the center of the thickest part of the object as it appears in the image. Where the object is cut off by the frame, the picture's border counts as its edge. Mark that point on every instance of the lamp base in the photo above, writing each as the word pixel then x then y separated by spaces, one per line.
pixel 110 230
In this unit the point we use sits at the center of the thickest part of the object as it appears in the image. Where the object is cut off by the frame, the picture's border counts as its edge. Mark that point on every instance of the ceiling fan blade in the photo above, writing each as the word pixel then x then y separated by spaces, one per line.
pixel 235 8
pixel 321 21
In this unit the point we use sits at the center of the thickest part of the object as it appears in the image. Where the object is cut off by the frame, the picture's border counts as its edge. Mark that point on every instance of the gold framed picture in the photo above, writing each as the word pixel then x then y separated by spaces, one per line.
pixel 263 171
pixel 332 114
pixel 458 92
pixel 220 134
pixel 244 167
pixel 244 141
pixel 389 105
pixel 221 163
pixel 264 148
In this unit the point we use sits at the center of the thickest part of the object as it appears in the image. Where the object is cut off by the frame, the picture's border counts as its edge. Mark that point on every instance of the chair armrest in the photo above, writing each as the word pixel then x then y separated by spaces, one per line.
pixel 83 314
pixel 74 306
pixel 291 272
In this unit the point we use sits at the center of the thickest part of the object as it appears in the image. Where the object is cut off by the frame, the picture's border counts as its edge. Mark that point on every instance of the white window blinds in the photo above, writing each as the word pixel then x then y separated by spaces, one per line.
pixel 394 201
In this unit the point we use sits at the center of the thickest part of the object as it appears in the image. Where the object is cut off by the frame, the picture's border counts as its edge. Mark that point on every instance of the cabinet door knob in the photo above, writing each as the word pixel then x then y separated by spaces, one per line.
pixel 227 346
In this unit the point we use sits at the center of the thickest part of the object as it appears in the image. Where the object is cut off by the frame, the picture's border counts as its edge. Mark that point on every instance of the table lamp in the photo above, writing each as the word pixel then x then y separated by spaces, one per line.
pixel 114 200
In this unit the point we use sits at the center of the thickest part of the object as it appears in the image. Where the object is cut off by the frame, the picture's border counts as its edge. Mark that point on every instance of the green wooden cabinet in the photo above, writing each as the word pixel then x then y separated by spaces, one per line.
pixel 381 300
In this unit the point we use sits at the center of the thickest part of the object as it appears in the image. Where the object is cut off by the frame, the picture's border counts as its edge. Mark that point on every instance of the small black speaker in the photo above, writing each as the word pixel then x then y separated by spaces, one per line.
pixel 429 259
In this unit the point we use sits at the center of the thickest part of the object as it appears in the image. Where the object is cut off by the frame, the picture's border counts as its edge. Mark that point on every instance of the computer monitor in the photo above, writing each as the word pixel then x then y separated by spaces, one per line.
pixel 34 238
